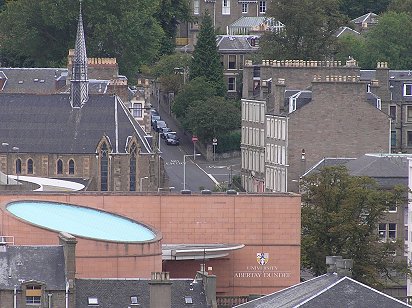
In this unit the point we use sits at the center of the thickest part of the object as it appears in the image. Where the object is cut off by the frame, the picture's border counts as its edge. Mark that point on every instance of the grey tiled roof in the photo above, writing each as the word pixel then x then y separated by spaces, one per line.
pixel 370 18
pixel 32 80
pixel 117 292
pixel 324 292
pixel 387 170
pixel 235 43
pixel 346 30
pixel 48 124
pixel 39 263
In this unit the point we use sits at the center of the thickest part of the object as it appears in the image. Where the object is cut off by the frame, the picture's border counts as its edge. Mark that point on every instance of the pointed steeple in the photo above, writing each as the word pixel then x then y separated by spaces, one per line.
pixel 79 81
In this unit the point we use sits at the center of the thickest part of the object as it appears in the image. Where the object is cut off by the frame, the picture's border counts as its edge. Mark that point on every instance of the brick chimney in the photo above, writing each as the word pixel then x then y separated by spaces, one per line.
pixel 69 242
pixel 160 290
pixel 209 284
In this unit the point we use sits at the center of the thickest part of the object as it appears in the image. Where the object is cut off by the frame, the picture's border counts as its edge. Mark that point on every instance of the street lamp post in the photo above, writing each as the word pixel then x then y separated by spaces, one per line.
pixel 141 182
pixel 5 144
pixel 184 168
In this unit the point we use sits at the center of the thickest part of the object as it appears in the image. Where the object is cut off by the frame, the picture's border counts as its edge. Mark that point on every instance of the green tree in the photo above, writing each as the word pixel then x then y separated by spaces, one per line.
pixel 308 32
pixel 386 41
pixel 357 8
pixel 401 6
pixel 212 117
pixel 39 33
pixel 169 14
pixel 206 59
pixel 340 215
pixel 198 89
pixel 351 46
pixel 171 70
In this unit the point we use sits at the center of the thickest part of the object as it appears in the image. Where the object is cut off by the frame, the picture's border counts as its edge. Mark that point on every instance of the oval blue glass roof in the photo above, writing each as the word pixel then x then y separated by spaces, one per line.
pixel 80 221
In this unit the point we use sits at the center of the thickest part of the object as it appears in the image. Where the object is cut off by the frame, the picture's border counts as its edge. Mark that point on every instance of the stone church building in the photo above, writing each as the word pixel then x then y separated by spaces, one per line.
pixel 77 135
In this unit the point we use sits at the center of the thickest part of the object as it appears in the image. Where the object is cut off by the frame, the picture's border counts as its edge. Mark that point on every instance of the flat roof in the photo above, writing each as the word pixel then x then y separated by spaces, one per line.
pixel 81 221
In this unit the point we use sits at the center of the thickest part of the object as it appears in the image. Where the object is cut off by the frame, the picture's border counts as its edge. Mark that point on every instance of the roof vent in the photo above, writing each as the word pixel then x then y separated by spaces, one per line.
pixel 231 192
pixel 188 300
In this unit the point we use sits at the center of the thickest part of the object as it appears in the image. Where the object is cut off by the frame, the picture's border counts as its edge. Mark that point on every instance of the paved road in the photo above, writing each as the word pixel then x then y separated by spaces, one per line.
pixel 200 173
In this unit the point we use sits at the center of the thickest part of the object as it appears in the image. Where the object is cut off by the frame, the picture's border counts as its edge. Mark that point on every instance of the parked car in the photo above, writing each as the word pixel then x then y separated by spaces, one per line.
pixel 154 112
pixel 160 125
pixel 155 118
pixel 164 131
pixel 172 139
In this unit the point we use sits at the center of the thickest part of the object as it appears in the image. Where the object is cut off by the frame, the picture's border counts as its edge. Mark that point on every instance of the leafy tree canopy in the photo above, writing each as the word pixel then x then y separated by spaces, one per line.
pixel 340 215
pixel 386 41
pixel 206 59
pixel 401 6
pixel 169 14
pixel 172 71
pixel 309 29
pixel 213 117
pixel 198 89
pixel 357 8
pixel 39 33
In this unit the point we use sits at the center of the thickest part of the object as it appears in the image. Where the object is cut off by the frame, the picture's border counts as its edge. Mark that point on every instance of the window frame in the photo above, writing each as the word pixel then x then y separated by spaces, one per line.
pixel 407 89
pixel 262 7
pixel 59 166
pixel 229 83
pixel 231 65
pixel 245 7
pixel 137 110
pixel 409 138
pixel 72 167
pixel 30 166
pixel 225 7
pixel 196 7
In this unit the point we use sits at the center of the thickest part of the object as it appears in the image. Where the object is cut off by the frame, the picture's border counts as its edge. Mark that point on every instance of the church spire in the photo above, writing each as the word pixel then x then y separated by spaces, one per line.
pixel 79 81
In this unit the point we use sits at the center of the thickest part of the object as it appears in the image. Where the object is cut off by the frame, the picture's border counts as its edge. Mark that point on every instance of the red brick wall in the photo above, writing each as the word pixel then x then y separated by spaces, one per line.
pixel 267 223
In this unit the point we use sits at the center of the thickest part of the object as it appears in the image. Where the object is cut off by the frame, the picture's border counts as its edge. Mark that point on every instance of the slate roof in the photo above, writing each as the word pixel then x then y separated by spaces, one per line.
pixel 345 31
pixel 370 18
pixel 48 124
pixel 39 263
pixel 117 292
pixel 387 170
pixel 32 80
pixel 235 43
pixel 326 291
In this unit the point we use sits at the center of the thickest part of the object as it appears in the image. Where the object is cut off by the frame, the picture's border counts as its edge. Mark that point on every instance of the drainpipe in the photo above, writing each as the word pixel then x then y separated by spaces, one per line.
pixel 15 297
pixel 50 299
pixel 67 294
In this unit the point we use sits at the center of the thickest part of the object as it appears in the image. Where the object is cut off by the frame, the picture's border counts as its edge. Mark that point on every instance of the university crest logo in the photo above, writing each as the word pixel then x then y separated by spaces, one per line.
pixel 262 258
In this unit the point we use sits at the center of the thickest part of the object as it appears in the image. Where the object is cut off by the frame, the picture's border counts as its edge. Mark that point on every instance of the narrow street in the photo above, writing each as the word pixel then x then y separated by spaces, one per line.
pixel 199 173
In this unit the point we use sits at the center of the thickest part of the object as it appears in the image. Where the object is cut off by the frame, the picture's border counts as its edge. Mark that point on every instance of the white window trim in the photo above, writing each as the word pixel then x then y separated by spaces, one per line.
pixel 245 7
pixel 196 7
pixel 226 8
pixel 405 86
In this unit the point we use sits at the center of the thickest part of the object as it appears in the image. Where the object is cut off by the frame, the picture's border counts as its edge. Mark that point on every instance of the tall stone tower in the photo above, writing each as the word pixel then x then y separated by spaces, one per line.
pixel 79 82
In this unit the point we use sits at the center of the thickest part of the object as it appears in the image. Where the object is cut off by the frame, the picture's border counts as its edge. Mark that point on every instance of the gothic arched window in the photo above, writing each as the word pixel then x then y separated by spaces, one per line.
pixel 29 166
pixel 59 167
pixel 104 167
pixel 71 166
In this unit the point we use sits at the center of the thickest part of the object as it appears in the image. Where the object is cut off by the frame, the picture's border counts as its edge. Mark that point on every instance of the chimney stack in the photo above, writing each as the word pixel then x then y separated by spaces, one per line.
pixel 342 267
pixel 160 290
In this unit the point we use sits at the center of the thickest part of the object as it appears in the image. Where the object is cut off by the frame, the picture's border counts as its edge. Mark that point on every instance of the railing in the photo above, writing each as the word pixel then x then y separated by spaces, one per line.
pixel 231 301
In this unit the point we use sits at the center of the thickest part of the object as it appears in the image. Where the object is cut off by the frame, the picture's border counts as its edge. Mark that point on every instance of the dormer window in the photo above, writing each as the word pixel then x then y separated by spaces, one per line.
pixel 134 300
pixel 407 89
pixel 188 300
